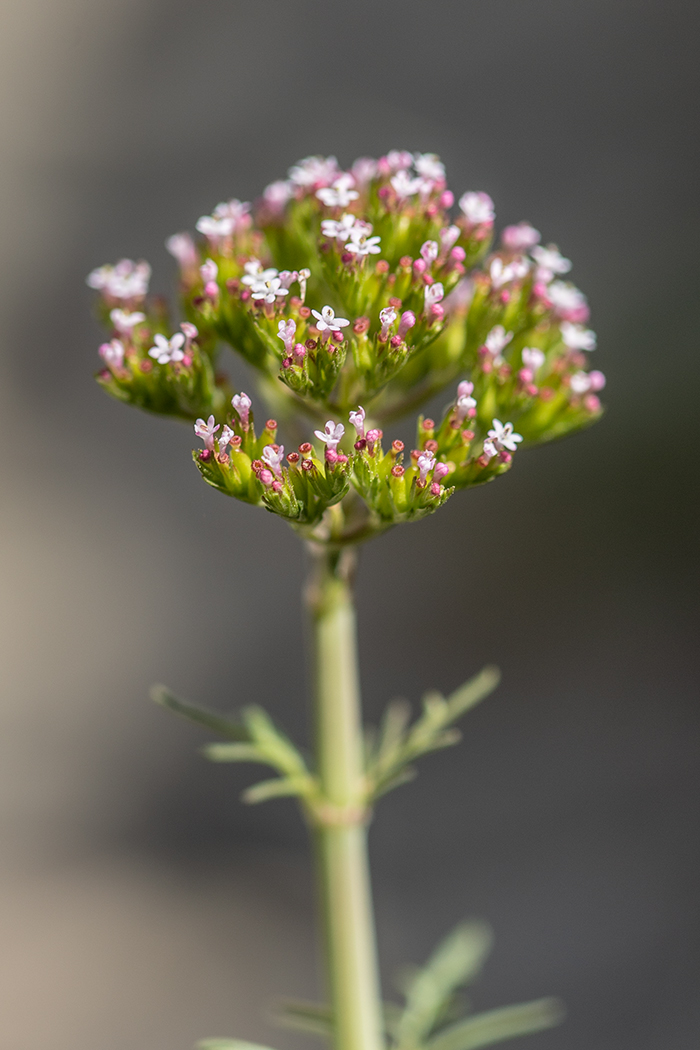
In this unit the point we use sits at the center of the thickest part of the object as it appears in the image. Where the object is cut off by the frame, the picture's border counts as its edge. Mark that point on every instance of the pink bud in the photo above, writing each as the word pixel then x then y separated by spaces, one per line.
pixel 437 312
pixel 447 199
pixel 266 477
pixel 458 254
pixel 435 488
pixel 441 471
pixel 591 403
pixel 408 319
pixel 597 380
pixel 419 266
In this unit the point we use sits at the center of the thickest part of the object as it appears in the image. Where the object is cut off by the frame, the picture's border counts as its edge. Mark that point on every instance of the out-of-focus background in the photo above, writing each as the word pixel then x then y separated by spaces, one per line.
pixel 141 905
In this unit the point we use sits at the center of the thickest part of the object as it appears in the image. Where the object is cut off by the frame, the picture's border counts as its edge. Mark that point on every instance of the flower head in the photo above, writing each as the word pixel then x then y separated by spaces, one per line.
pixel 340 194
pixel 238 212
pixel 269 290
pixel 112 353
pixel 429 166
pixel 549 261
pixel 502 437
pixel 520 238
pixel 125 280
pixel 477 207
pixel 124 320
pixel 496 342
pixel 254 273
pixel 503 273
pixel 360 243
pixel 576 337
pixel 568 302
pixel 404 185
pixel 182 247
pixel 206 431
pixel 242 404
pixel 341 228
pixel 314 171
pixel 167 351
pixel 326 321
pixel 430 251
pixel 449 236
pixel 215 227
pixel 364 169
pixel 332 435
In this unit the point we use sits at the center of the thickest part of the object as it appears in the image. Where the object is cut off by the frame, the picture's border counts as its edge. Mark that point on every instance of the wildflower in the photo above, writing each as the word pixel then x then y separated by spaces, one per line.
pixel 214 227
pixel 361 244
pixel 273 455
pixel 357 419
pixel 429 166
pixel 124 321
pixel 501 273
pixel 340 194
pixel 477 208
pixel 242 404
pixel 550 262
pixel 364 170
pixel 568 302
pixel 387 317
pixel 190 330
pixel 576 337
pixel 314 171
pixel 112 353
pixel 236 211
pixel 440 471
pixel 582 382
pixel 520 238
pixel 126 280
pixel 405 186
pixel 269 290
pixel 341 228
pixel 255 274
pixel 501 437
pixel 225 438
pixel 302 277
pixel 408 319
pixel 326 321
pixel 206 431
pixel 466 404
pixel 434 293
pixel 397 160
pixel 182 247
pixel 332 435
pixel 277 194
pixel 497 340
pixel 449 236
pixel 209 271
pixel 533 358
pixel 167 351
pixel 425 463
pixel 286 331
pixel 429 251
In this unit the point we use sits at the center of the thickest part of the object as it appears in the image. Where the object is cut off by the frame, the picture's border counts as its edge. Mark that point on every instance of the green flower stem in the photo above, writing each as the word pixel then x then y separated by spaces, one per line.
pixel 340 821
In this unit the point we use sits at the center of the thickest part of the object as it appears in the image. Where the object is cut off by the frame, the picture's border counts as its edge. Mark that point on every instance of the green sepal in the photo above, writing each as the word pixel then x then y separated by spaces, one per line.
pixel 494 1026
pixel 202 716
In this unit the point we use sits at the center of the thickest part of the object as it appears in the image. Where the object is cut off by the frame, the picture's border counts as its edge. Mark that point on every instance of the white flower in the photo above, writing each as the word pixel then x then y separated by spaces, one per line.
pixel 496 341
pixel 429 166
pixel 332 435
pixel 314 171
pixel 225 438
pixel 502 436
pixel 272 455
pixel 520 238
pixel 268 291
pixel 124 321
pixel 206 431
pixel 550 259
pixel 576 337
pixel 360 243
pixel 341 228
pixel 430 250
pixel 533 358
pixel 465 404
pixel 399 159
pixel 126 280
pixel 357 419
pixel 242 404
pixel 112 353
pixel 434 293
pixel 286 331
pixel 209 271
pixel 278 193
pixel 340 194
pixel 167 351
pixel 254 273
pixel 566 298
pixel 235 210
pixel 580 382
pixel 364 170
pixel 405 186
pixel 387 316
pixel 181 247
pixel 425 463
pixel 327 321
pixel 503 274
pixel 449 236
pixel 477 207
pixel 302 277
pixel 214 227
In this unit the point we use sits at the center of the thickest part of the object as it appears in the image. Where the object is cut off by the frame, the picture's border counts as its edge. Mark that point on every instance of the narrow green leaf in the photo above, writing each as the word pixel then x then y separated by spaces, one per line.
pixel 476 689
pixel 160 694
pixel 314 1018
pixel 280 787
pixel 396 718
pixel 404 776
pixel 275 745
pixel 497 1025
pixel 455 962
pixel 233 753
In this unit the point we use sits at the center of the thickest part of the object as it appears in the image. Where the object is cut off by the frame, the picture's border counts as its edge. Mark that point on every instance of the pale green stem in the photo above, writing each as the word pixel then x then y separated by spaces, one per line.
pixel 340 824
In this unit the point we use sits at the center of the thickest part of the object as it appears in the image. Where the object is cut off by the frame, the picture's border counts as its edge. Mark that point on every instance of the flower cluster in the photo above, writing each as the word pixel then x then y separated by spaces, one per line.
pixel 369 286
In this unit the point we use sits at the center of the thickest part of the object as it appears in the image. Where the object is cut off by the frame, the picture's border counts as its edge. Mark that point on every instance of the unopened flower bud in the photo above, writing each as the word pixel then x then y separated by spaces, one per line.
pixel 242 404
pixel 408 320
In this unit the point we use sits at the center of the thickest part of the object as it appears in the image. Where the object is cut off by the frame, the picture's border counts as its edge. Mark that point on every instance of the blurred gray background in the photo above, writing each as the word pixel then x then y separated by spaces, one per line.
pixel 141 905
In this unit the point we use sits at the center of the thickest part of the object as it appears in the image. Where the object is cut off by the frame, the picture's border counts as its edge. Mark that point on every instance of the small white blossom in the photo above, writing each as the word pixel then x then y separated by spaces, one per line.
pixel 434 293
pixel 430 250
pixel 357 419
pixel 360 243
pixel 332 435
pixel 182 247
pixel 566 298
pixel 112 353
pixel 429 166
pixel 326 321
pixel 502 436
pixel 580 382
pixel 255 274
pixel 126 280
pixel 242 404
pixel 405 186
pixel 312 171
pixel 364 169
pixel 235 210
pixel 576 337
pixel 273 455
pixel 425 463
pixel 533 358
pixel 340 194
pixel 520 238
pixel 477 207
pixel 268 291
pixel 286 331
pixel 550 261
pixel 277 194
pixel 449 237
pixel 225 438
pixel 168 351
pixel 206 431
pixel 387 316
pixel 124 321
pixel 214 227
pixel 501 273
pixel 341 228
pixel 209 271
pixel 497 340
pixel 398 160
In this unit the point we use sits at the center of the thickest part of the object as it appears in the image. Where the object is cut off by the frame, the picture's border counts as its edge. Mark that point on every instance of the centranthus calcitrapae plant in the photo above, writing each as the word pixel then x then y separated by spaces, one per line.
pixel 355 297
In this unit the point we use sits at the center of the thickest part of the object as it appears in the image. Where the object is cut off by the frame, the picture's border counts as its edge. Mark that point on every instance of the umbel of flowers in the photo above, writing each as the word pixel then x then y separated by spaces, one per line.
pixel 356 296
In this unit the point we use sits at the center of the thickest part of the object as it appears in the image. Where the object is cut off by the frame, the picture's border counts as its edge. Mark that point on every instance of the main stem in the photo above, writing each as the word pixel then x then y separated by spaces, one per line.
pixel 340 824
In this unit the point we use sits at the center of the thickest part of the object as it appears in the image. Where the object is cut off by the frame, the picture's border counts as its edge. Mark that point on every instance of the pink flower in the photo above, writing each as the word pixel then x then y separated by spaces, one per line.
pixel 242 404
pixel 286 331
pixel 449 236
pixel 357 419
pixel 387 317
pixel 112 353
pixel 408 319
pixel 225 438
pixel 273 455
pixel 477 208
pixel 520 238
pixel 434 293
pixel 568 302
pixel 425 463
pixel 124 321
pixel 430 250
pixel 497 340
pixel 332 435
pixel 206 431
pixel 502 437
pixel 314 171
pixel 168 351
pixel 533 358
pixel 182 247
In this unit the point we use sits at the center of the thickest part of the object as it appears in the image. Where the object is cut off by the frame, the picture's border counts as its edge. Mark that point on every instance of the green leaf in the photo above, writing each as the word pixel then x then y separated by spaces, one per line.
pixel 229 1044
pixel 496 1025
pixel 280 787
pixel 314 1018
pixel 476 689
pixel 233 753
pixel 160 694
pixel 455 962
